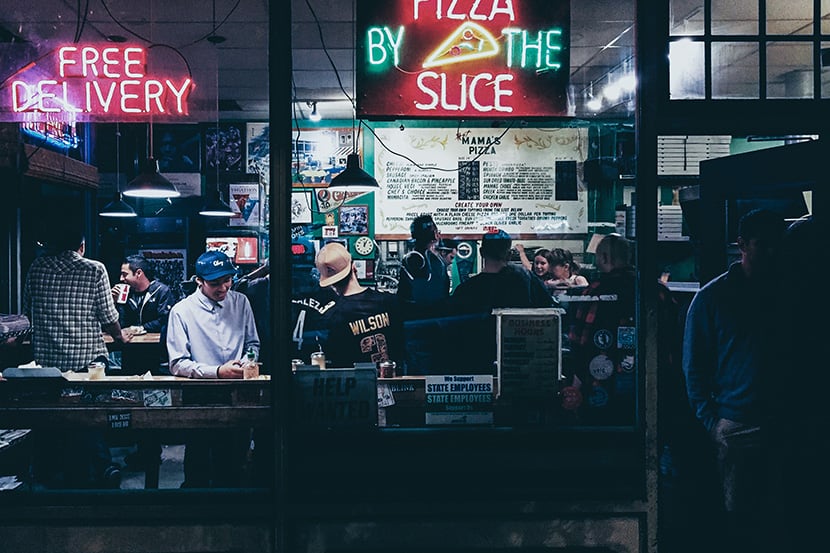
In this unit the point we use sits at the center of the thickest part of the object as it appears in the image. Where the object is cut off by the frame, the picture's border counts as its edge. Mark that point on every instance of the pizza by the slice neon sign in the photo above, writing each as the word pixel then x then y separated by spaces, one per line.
pixel 93 80
pixel 432 58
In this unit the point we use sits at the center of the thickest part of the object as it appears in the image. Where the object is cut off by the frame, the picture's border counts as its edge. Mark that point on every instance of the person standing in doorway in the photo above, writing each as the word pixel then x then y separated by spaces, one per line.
pixel 731 350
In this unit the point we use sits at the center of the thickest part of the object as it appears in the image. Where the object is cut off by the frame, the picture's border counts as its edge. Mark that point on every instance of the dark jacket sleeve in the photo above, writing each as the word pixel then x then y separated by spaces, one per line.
pixel 165 299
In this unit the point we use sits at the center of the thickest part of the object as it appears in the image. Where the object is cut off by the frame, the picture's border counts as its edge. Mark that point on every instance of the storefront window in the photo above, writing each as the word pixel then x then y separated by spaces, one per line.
pixel 735 70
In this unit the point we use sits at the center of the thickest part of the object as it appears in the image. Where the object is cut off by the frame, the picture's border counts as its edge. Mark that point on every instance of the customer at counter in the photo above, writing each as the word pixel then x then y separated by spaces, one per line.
pixel 499 284
pixel 208 334
pixel 67 299
pixel 149 301
pixel 424 284
pixel 210 331
pixel 364 325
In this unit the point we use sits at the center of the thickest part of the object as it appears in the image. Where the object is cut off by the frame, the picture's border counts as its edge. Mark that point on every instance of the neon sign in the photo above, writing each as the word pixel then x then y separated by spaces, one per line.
pixel 462 58
pixel 83 82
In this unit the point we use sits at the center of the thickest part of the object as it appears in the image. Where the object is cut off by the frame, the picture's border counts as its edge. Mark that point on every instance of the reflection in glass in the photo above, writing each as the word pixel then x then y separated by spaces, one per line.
pixel 793 17
pixel 825 69
pixel 735 70
pixel 686 70
pixel 825 21
pixel 735 17
pixel 686 17
pixel 789 70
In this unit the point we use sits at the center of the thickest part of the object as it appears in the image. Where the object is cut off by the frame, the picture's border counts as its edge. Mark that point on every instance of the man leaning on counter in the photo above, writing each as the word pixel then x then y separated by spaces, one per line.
pixel 210 331
pixel 208 334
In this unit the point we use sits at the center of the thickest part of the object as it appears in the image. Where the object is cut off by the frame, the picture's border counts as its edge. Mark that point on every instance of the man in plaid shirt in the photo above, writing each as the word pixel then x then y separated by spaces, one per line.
pixel 68 301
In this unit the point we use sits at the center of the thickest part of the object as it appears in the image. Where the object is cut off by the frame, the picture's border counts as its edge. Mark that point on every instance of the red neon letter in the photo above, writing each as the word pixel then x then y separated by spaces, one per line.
pixel 64 60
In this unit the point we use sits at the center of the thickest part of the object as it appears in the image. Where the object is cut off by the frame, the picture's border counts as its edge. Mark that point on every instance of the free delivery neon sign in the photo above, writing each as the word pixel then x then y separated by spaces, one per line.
pixel 462 58
pixel 92 80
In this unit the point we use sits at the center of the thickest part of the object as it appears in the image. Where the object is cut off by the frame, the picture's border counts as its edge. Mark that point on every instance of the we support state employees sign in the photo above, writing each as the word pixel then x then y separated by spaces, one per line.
pixel 462 58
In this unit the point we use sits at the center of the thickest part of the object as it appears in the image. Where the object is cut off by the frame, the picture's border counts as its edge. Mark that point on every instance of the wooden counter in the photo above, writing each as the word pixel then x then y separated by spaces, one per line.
pixel 160 402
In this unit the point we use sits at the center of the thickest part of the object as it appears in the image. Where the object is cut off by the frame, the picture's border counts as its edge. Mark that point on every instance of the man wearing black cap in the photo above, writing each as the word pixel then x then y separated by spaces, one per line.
pixel 500 283
pixel 208 334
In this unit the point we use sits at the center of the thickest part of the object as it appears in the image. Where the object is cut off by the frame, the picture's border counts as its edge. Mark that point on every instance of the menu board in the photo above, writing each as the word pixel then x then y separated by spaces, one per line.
pixel 524 181
pixel 529 351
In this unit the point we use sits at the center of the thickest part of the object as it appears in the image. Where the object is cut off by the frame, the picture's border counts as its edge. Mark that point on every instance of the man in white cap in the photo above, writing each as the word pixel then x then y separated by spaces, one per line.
pixel 208 334
pixel 364 325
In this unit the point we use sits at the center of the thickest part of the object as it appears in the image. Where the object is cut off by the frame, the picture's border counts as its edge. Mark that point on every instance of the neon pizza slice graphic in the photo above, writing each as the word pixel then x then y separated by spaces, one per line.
pixel 469 42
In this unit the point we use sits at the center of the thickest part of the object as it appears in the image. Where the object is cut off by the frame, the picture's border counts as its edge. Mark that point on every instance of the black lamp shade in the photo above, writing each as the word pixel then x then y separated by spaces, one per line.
pixel 150 183
pixel 353 178
pixel 117 208
pixel 215 207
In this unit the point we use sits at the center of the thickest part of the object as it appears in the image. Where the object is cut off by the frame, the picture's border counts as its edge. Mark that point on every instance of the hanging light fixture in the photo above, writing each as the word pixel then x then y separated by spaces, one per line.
pixel 117 207
pixel 353 178
pixel 216 207
pixel 150 183
pixel 314 115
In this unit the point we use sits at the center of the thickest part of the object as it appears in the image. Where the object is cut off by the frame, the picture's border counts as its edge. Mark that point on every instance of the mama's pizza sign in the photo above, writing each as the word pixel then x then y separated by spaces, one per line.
pixel 462 58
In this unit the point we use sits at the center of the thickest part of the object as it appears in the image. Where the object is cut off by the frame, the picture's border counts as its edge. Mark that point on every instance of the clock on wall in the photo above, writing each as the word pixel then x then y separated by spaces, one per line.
pixel 364 245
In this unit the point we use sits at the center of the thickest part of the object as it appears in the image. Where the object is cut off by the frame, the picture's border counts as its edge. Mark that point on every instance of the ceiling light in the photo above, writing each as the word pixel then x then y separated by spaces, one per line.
pixel 150 183
pixel 117 208
pixel 216 39
pixel 314 115
pixel 353 178
pixel 215 207
pixel 116 38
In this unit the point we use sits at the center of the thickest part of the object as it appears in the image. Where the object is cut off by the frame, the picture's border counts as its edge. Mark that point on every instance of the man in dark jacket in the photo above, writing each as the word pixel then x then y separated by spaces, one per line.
pixel 731 352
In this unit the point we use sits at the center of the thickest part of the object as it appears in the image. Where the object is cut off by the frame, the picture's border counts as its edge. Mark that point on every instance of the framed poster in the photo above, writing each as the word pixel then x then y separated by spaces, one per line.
pixel 354 219
pixel 301 207
pixel 223 147
pixel 320 155
pixel 177 148
pixel 170 266
pixel 259 150
pixel 246 205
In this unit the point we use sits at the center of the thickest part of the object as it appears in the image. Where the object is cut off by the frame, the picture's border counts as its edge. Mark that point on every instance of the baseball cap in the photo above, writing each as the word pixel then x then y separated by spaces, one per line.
pixel 214 264
pixel 497 242
pixel 334 263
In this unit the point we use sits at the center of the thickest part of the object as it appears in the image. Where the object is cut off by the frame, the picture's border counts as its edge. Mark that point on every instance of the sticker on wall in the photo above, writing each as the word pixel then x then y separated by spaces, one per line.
pixel 602 338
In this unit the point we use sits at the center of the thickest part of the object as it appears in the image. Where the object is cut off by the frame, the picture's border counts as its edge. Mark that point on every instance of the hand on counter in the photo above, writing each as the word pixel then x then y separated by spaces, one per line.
pixel 126 336
pixel 231 369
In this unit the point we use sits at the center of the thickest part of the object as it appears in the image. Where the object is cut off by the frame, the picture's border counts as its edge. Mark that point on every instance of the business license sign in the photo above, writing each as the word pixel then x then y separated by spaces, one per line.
pixel 101 82
pixel 462 58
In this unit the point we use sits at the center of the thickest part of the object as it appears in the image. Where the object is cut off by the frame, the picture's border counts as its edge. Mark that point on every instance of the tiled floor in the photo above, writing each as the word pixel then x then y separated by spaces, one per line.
pixel 171 472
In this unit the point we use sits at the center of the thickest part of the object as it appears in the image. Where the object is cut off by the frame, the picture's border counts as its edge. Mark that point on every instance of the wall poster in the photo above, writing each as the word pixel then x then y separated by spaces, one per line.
pixel 319 155
pixel 246 205
pixel 524 181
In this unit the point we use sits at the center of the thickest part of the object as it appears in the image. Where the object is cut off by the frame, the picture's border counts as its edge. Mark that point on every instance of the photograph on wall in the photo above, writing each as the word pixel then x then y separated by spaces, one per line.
pixel 246 205
pixel 319 155
pixel 258 150
pixel 243 250
pixel 170 266
pixel 177 148
pixel 223 147
pixel 301 207
pixel 354 219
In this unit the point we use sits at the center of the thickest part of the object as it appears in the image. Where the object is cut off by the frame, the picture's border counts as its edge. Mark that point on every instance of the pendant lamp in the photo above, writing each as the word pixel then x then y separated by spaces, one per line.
pixel 353 178
pixel 150 183
pixel 118 208
pixel 216 207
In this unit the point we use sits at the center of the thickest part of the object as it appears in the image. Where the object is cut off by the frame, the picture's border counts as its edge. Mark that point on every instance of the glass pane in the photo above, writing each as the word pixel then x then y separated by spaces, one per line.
pixel 793 17
pixel 686 70
pixel 686 17
pixel 735 70
pixel 825 21
pixel 735 17
pixel 789 70
pixel 825 69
